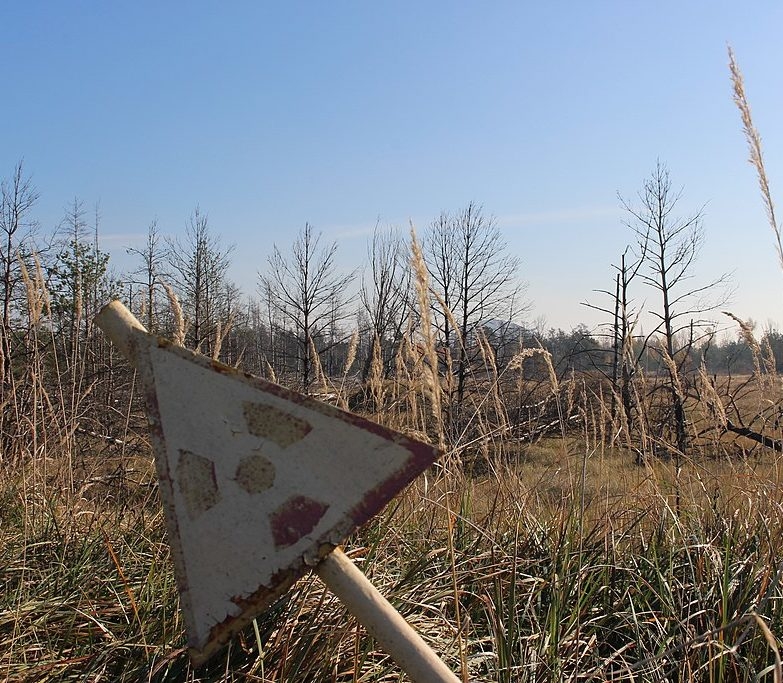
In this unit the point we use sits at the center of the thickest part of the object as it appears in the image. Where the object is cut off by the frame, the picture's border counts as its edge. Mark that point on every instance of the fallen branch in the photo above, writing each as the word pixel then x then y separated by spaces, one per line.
pixel 758 437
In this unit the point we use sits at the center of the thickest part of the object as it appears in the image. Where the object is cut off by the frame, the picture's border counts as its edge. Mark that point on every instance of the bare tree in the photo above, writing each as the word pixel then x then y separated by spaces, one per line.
pixel 441 256
pixel 17 198
pixel 305 290
pixel 669 246
pixel 385 294
pixel 199 264
pixel 150 273
pixel 476 281
pixel 625 358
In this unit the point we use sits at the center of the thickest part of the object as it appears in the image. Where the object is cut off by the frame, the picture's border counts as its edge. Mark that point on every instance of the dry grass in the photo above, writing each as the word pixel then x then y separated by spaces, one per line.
pixel 538 550
pixel 561 569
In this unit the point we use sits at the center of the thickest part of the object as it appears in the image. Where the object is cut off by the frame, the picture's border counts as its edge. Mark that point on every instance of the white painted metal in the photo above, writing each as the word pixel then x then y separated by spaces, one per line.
pixel 224 515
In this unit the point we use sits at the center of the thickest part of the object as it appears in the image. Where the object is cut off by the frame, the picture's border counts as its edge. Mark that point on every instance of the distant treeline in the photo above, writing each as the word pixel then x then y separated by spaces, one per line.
pixel 582 350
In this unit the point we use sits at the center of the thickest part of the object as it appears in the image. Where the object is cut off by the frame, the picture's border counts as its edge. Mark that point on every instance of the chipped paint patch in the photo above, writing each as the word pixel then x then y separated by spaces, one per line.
pixel 276 425
pixel 295 518
pixel 255 474
pixel 196 478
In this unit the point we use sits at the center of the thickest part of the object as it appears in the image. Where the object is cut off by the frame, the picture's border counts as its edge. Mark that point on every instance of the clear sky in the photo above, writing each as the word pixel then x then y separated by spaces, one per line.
pixel 344 114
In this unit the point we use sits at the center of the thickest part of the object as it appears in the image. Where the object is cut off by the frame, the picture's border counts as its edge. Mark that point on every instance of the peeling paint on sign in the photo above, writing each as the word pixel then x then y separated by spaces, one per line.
pixel 196 477
pixel 294 519
pixel 258 482
pixel 276 425
pixel 255 474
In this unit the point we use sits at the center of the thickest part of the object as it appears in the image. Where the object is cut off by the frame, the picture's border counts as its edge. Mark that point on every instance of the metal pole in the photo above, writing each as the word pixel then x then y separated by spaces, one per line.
pixel 381 620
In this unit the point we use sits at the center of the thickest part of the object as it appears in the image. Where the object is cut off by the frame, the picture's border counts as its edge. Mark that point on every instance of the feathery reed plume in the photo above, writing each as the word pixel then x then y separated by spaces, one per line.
pixel 34 302
pixel 422 281
pixel 376 374
pixel 218 342
pixel 455 326
pixel 553 380
pixel 746 332
pixel 449 361
pixel 767 356
pixel 319 371
pixel 518 359
pixel 412 363
pixel 353 345
pixel 40 283
pixel 711 397
pixel 221 332
pixel 270 371
pixel 671 366
pixel 179 318
pixel 754 146
pixel 570 391
pixel 350 357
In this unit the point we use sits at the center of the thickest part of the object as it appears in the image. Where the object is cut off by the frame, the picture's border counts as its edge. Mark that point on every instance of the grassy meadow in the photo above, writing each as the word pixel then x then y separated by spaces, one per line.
pixel 554 540
pixel 570 563
pixel 562 558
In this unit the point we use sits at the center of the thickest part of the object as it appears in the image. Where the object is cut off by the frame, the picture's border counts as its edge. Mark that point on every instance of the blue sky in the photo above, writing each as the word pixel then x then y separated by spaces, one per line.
pixel 343 114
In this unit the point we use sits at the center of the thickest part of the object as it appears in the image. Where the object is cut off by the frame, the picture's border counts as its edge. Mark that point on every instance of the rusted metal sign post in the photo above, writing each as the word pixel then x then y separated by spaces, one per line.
pixel 260 484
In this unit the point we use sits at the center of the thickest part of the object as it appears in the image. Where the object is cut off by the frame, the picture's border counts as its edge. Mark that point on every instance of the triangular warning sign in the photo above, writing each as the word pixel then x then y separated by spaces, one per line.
pixel 258 482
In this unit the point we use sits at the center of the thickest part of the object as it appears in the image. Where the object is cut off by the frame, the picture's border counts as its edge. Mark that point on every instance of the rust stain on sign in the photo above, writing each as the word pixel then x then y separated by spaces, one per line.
pixel 251 470
pixel 197 481
pixel 276 425
pixel 295 518
pixel 255 473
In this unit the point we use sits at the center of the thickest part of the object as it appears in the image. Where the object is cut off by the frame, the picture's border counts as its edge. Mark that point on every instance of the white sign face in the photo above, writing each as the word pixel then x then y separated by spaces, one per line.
pixel 258 484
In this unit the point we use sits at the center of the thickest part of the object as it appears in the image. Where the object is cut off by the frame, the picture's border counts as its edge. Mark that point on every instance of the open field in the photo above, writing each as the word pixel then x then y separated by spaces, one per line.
pixel 619 523
pixel 559 538
pixel 572 563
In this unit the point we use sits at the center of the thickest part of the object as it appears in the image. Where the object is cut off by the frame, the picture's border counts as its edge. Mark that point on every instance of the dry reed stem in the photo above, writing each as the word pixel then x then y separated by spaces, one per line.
pixel 376 374
pixel 422 283
pixel 353 345
pixel 218 341
pixel 34 298
pixel 179 318
pixel 711 397
pixel 553 380
pixel 270 371
pixel 671 366
pixel 40 283
pixel 755 150
pixel 400 369
pixel 221 332
pixel 320 377
pixel 763 370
